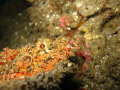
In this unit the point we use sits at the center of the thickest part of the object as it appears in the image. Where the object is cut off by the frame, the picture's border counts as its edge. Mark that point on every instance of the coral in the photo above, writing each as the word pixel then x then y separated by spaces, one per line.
pixel 54 17
pixel 87 57
pixel 67 22
pixel 64 21
pixel 87 8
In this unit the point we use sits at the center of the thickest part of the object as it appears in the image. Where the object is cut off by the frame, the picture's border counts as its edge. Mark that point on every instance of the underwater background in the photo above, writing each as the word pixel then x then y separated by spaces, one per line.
pixel 59 44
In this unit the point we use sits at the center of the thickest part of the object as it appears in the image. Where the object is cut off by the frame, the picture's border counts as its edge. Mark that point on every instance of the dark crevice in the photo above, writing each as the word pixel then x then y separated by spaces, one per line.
pixel 106 21
pixel 68 83
pixel 115 33
pixel 97 13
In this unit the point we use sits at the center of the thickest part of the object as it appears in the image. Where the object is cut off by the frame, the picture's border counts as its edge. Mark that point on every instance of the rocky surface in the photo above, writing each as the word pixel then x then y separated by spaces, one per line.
pixel 97 25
